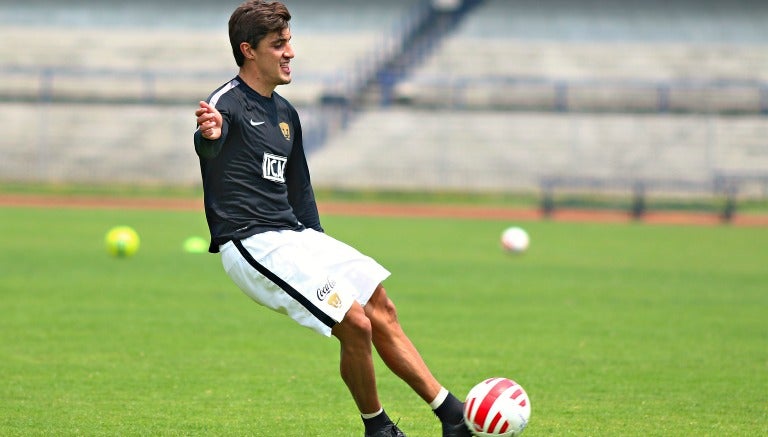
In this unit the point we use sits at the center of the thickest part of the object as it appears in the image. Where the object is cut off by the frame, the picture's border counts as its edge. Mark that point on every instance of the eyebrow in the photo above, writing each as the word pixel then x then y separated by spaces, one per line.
pixel 281 39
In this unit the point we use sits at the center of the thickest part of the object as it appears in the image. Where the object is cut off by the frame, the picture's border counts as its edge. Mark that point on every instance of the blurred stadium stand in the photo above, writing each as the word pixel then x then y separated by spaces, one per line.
pixel 499 95
pixel 679 56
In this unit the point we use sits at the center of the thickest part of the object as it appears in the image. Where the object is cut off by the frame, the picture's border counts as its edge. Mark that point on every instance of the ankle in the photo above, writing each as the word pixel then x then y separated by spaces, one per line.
pixel 450 410
pixel 376 421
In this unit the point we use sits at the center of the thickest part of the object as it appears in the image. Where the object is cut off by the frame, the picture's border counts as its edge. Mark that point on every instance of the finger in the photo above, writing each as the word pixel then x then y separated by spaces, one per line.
pixel 204 119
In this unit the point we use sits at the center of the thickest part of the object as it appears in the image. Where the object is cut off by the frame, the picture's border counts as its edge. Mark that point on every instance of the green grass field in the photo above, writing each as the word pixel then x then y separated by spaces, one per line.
pixel 613 329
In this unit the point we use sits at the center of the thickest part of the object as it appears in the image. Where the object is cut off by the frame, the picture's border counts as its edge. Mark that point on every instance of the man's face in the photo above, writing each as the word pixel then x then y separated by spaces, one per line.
pixel 273 58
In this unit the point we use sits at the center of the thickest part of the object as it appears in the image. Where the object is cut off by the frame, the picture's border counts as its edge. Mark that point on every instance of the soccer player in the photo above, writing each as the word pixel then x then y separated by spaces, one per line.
pixel 263 219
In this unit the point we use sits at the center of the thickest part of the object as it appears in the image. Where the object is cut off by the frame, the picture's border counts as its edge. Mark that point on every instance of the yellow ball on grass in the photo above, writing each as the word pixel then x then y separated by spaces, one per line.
pixel 122 241
pixel 195 245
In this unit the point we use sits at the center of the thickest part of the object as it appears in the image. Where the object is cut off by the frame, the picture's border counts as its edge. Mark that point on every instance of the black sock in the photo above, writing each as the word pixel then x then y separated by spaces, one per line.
pixel 376 423
pixel 451 410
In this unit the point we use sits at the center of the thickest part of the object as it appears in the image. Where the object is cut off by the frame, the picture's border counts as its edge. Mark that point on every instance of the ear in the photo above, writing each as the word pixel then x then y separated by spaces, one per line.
pixel 247 50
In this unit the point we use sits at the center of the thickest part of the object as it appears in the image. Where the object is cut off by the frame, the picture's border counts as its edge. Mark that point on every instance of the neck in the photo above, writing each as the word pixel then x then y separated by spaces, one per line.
pixel 252 80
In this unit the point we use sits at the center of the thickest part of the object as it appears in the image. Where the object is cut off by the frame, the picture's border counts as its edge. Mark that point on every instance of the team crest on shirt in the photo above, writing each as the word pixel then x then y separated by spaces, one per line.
pixel 273 167
pixel 286 130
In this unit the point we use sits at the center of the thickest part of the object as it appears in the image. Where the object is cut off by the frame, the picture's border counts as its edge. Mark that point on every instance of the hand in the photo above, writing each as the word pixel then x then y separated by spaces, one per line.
pixel 208 121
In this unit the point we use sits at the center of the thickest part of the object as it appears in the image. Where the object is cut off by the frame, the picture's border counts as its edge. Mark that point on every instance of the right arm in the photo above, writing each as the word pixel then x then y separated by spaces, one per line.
pixel 209 135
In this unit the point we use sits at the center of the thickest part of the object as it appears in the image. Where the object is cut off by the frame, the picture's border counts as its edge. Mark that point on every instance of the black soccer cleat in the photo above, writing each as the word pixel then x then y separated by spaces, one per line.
pixel 458 430
pixel 389 430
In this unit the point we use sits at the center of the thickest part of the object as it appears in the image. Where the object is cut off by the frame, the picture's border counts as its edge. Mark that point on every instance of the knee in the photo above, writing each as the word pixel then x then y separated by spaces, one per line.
pixel 380 309
pixel 354 326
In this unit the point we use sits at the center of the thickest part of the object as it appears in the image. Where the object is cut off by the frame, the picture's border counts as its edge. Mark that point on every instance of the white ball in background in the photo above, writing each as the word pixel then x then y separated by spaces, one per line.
pixel 515 240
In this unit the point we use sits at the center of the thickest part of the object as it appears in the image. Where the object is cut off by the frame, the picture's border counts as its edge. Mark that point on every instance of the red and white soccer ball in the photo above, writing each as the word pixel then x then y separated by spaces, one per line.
pixel 497 407
pixel 515 240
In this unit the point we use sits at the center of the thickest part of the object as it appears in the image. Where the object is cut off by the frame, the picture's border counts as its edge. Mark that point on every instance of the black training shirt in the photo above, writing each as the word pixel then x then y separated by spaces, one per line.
pixel 255 176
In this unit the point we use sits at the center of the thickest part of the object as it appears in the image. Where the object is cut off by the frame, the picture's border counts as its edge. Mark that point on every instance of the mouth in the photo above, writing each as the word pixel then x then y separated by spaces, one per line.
pixel 285 68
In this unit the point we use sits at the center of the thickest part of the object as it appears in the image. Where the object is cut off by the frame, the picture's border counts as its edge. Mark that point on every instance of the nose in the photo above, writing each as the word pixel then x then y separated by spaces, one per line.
pixel 288 53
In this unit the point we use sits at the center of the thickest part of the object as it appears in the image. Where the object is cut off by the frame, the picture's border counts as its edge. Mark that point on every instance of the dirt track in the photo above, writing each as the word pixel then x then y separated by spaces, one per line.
pixel 390 210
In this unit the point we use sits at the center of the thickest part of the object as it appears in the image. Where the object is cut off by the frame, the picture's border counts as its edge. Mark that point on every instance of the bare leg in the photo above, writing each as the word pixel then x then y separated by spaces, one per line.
pixel 396 349
pixel 356 362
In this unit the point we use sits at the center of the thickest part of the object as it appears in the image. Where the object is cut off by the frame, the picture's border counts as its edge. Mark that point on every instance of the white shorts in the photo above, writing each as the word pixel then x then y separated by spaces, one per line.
pixel 311 277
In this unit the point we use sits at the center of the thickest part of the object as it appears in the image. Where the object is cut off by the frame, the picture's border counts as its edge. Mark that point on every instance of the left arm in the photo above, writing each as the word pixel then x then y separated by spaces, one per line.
pixel 301 196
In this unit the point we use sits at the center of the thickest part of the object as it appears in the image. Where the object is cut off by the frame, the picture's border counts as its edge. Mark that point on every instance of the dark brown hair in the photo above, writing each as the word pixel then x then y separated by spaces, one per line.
pixel 252 21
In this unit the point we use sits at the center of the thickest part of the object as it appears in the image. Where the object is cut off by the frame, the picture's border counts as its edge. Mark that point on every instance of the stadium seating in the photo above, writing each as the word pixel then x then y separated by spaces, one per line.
pixel 600 56
pixel 528 91
pixel 650 21
pixel 109 52
pixel 97 143
pixel 525 90
pixel 72 73
pixel 155 64
pixel 408 149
